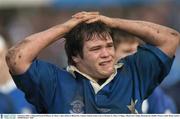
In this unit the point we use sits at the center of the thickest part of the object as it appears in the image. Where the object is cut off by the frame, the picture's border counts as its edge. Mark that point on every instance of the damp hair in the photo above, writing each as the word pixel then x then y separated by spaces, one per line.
pixel 78 35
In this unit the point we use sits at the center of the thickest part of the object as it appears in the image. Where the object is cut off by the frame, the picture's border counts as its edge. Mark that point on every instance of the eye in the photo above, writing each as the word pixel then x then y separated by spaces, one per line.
pixel 110 45
pixel 95 48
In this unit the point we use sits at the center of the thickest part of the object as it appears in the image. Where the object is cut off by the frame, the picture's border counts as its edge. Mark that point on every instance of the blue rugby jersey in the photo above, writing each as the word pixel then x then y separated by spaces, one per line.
pixel 53 90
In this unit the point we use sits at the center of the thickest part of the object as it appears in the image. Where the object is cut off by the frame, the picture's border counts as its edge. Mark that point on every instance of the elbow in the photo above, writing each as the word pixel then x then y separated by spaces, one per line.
pixel 173 42
pixel 10 59
pixel 15 61
pixel 175 38
pixel 170 43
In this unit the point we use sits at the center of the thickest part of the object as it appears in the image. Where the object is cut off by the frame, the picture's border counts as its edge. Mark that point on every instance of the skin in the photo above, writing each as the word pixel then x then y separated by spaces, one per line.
pixel 99 58
pixel 163 37
pixel 126 48
pixel 4 71
pixel 19 58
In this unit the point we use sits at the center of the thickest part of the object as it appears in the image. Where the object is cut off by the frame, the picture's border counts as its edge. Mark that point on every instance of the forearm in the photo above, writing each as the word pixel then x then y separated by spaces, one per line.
pixel 152 33
pixel 163 37
pixel 21 55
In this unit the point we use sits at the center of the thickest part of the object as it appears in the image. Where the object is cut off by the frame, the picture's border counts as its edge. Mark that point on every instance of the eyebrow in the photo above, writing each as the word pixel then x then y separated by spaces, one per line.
pixel 95 47
pixel 110 43
pixel 99 46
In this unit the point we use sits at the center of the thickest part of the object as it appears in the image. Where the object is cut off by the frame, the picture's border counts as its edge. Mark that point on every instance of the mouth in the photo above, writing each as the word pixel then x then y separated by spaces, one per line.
pixel 105 63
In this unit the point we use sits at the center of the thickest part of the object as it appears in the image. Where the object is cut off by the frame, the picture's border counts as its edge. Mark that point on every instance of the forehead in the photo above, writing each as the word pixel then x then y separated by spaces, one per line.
pixel 99 37
pixel 98 40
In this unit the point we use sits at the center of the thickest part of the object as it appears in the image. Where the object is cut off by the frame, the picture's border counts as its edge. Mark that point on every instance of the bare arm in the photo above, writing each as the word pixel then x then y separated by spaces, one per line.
pixel 160 36
pixel 165 38
pixel 20 57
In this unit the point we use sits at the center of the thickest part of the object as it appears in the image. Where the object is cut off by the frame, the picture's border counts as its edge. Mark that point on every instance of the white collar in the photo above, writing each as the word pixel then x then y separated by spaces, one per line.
pixel 94 84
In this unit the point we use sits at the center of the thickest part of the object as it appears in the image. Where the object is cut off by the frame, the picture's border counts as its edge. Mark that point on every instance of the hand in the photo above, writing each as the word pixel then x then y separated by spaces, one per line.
pixel 79 18
pixel 92 17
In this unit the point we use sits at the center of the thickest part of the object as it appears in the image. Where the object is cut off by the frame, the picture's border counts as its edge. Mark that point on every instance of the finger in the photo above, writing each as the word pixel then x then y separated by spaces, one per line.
pixel 89 17
pixel 79 13
pixel 85 13
pixel 89 20
pixel 93 13
pixel 78 17
pixel 86 17
pixel 92 20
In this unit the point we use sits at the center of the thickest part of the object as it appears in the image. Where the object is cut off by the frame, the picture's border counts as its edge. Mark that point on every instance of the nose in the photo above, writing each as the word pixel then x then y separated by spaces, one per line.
pixel 104 53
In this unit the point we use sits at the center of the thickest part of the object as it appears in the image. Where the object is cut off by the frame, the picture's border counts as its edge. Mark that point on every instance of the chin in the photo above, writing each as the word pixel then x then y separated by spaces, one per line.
pixel 108 73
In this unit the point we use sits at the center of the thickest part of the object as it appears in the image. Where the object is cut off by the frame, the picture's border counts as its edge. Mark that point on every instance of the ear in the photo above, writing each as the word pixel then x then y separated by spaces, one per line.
pixel 76 59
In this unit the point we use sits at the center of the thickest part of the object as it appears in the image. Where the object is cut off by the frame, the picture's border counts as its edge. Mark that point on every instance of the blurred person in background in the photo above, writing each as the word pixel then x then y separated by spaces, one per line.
pixel 173 91
pixel 6 104
pixel 125 43
pixel 158 102
pixel 171 84
pixel 92 82
pixel 8 87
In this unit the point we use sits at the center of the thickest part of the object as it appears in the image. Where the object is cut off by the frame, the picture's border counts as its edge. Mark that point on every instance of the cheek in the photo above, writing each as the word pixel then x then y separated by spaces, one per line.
pixel 112 52
pixel 91 57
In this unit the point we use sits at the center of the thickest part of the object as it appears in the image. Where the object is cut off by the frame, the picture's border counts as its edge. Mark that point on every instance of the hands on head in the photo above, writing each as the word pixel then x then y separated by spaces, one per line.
pixel 79 18
pixel 87 17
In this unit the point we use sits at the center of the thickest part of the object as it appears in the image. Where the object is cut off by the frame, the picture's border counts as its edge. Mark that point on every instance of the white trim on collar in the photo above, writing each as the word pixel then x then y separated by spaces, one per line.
pixel 71 69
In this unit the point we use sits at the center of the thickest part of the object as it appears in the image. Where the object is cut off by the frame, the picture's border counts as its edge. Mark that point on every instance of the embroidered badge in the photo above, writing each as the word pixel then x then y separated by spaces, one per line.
pixel 77 107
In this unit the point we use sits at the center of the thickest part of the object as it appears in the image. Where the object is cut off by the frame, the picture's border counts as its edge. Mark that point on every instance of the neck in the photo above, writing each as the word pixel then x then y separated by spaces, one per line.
pixel 101 81
pixel 85 73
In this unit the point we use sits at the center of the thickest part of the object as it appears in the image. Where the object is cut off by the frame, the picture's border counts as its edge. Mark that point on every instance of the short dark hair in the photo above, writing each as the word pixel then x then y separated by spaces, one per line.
pixel 75 38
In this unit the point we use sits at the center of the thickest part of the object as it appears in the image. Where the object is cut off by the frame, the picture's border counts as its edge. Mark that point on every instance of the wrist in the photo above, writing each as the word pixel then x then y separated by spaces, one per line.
pixel 108 21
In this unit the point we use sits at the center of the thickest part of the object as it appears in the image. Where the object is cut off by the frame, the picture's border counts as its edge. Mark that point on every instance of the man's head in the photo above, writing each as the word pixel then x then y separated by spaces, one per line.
pixel 90 48
pixel 125 43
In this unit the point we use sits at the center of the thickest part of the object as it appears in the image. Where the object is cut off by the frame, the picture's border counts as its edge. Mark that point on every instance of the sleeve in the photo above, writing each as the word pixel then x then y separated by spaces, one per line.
pixel 38 83
pixel 150 65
